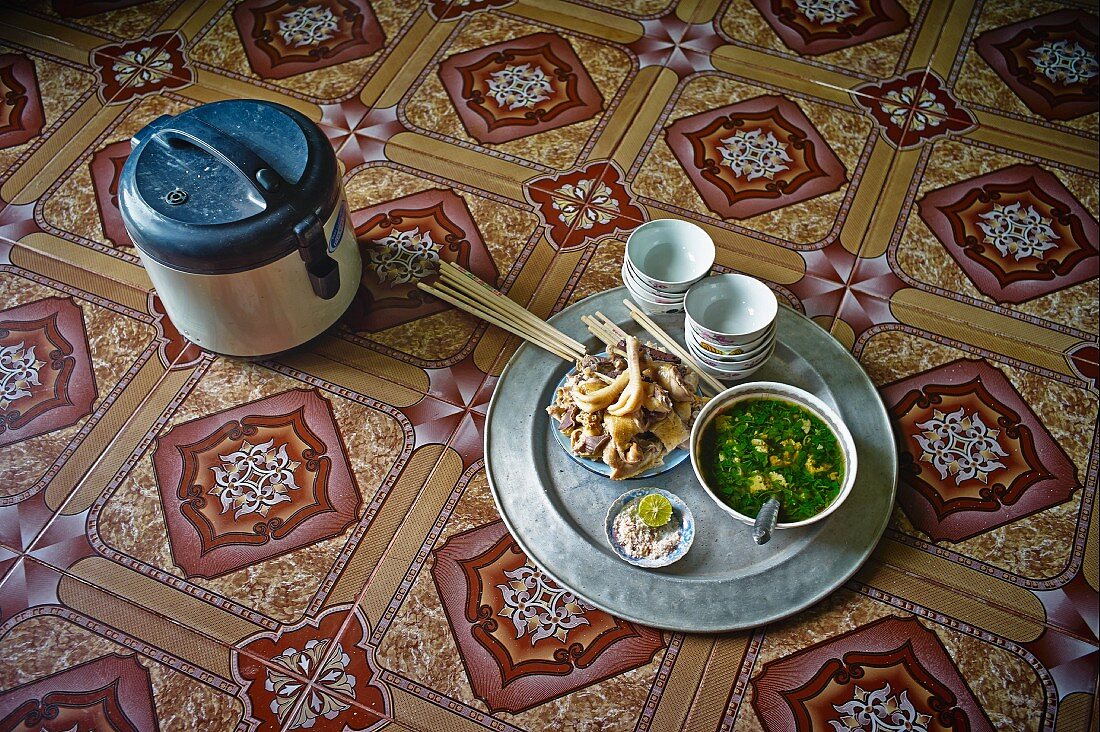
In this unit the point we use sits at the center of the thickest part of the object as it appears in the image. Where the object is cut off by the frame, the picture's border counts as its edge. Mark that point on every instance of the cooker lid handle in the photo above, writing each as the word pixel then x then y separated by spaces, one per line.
pixel 189 129
pixel 323 271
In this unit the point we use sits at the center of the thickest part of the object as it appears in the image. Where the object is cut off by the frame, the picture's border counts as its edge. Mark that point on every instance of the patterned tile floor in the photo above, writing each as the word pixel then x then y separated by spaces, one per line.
pixel 918 176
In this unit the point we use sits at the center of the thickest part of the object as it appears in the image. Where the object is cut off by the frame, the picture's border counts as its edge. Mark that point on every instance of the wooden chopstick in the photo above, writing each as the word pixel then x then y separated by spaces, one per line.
pixel 673 347
pixel 597 329
pixel 611 326
pixel 496 307
pixel 465 282
pixel 462 302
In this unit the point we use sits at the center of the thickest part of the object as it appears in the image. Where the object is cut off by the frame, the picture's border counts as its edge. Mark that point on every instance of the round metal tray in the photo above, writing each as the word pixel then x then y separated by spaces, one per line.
pixel 555 508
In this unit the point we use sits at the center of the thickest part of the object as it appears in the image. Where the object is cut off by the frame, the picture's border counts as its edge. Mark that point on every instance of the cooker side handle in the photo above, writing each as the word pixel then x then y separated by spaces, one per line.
pixel 323 271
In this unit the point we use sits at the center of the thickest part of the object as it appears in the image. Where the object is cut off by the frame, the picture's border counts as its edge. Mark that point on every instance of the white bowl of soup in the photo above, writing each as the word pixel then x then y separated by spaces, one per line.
pixel 766 439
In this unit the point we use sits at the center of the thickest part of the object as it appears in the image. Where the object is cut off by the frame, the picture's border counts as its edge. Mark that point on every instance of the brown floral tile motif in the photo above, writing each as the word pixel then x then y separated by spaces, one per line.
pixel 520 87
pixel 892 674
pixel 1017 233
pixel 85 8
pixel 402 242
pixel 113 692
pixel 913 109
pixel 106 167
pixel 46 380
pixel 338 667
pixel 1049 62
pixel 253 482
pixel 584 203
pixel 523 638
pixel 21 116
pixel 755 156
pixel 973 455
pixel 813 27
pixel 454 9
pixel 288 37
pixel 141 68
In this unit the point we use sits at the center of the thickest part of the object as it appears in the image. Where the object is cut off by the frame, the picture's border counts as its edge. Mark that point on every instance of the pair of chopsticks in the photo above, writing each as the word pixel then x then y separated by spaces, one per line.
pixel 466 292
pixel 604 328
pixel 610 333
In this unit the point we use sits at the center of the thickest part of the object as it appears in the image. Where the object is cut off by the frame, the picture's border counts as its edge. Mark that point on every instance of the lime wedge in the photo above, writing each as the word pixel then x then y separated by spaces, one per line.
pixel 654 510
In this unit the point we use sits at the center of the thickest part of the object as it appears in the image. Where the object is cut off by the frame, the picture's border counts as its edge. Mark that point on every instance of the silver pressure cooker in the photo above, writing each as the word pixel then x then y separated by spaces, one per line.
pixel 238 212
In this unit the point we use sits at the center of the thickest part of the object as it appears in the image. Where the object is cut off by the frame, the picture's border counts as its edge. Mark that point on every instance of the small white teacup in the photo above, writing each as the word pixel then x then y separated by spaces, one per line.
pixel 670 255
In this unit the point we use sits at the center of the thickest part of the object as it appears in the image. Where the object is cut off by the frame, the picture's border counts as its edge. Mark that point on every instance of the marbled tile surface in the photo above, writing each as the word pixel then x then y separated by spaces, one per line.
pixel 311 541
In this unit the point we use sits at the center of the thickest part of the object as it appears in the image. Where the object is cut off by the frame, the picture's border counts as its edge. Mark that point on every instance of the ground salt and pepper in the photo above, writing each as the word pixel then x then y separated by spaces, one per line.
pixel 641 541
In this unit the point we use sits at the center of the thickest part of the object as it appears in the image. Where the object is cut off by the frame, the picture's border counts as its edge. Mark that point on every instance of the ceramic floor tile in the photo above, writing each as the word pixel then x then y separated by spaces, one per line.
pixel 10 557
pixel 335 642
pixel 63 200
pixel 242 612
pixel 446 647
pixel 796 204
pixel 958 512
pixel 360 47
pixel 812 279
pixel 96 352
pixel 457 100
pixel 122 66
pixel 1018 64
pixel 64 102
pixel 876 41
pixel 74 638
pixel 54 91
pixel 304 676
pixel 89 25
pixel 395 210
pixel 953 246
pixel 962 663
pixel 70 643
pixel 814 259
pixel 221 563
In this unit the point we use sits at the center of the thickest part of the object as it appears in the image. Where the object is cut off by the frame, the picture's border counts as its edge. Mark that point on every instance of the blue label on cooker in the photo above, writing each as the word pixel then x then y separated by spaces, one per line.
pixel 337 229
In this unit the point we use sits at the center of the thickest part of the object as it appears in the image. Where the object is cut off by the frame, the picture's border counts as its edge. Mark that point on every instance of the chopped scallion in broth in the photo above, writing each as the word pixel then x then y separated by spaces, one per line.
pixel 759 448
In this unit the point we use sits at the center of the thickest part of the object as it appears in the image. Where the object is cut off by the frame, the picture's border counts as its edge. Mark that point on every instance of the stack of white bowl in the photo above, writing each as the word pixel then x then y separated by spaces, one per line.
pixel 664 258
pixel 729 325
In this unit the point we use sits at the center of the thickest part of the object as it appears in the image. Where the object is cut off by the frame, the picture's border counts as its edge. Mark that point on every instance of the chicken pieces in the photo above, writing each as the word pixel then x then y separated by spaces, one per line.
pixel 628 409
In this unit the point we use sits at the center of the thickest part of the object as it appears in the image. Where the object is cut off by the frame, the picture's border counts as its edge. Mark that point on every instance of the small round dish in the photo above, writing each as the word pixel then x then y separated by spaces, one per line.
pixel 670 254
pixel 731 309
pixel 681 520
pixel 736 360
pixel 650 306
pixel 727 376
pixel 640 290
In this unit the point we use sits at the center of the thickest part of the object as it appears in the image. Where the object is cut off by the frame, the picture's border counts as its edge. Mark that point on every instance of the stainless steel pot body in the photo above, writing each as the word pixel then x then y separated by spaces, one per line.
pixel 260 311
pixel 239 214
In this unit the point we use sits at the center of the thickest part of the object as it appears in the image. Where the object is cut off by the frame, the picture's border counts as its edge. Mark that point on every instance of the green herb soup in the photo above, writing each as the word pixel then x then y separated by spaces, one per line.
pixel 760 448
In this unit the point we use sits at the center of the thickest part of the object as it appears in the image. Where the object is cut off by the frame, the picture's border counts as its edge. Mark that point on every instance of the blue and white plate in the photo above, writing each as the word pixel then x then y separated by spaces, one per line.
pixel 673 459
pixel 681 515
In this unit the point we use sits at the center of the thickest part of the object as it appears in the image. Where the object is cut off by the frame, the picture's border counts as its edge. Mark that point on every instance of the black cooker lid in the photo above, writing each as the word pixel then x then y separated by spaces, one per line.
pixel 223 187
